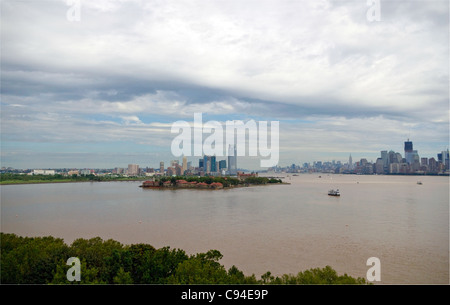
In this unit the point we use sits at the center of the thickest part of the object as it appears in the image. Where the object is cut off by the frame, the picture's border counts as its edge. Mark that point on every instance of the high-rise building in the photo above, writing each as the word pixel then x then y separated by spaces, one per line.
pixel 161 168
pixel 399 158
pixel 184 164
pixel 201 163
pixel 409 152
pixel 178 170
pixel 207 164
pixel 213 164
pixel 133 169
pixel 424 161
pixel 232 160
pixel 379 166
pixel 385 159
pixel 222 165
pixel 432 165
pixel 171 171
pixel 443 158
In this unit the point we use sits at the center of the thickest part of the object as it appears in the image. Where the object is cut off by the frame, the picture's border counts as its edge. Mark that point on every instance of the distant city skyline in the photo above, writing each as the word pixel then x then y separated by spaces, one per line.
pixel 103 90
pixel 212 164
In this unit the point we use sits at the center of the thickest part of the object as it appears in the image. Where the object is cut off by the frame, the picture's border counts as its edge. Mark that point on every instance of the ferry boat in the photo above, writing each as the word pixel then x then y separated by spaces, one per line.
pixel 334 192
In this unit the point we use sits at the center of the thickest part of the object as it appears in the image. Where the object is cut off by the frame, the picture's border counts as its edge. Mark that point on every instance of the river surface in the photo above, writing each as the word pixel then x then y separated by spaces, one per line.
pixel 277 228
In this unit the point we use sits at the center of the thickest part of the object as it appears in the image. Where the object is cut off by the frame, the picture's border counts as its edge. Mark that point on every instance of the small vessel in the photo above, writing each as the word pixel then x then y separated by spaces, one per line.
pixel 334 192
pixel 419 182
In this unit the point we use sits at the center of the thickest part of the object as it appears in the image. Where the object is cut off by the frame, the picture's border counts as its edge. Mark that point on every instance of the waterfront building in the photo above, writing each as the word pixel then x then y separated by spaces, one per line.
pixel 443 158
pixel 432 165
pixel 409 151
pixel 119 170
pixel 213 164
pixel 232 160
pixel 384 158
pixel 85 172
pixel 424 161
pixel 379 166
pixel 222 165
pixel 43 172
pixel 178 170
pixel 185 167
pixel 207 164
pixel 394 168
pixel 171 171
pixel 161 168
pixel 73 172
pixel 133 169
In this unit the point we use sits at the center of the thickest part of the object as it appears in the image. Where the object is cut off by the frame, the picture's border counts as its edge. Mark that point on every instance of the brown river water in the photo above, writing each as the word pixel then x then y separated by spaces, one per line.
pixel 277 228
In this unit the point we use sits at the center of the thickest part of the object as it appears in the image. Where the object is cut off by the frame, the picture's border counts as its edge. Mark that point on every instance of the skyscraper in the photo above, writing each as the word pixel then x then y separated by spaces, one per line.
pixel 161 168
pixel 444 158
pixel 207 164
pixel 222 164
pixel 385 159
pixel 408 146
pixel 213 164
pixel 133 169
pixel 232 160
pixel 184 165
pixel 409 153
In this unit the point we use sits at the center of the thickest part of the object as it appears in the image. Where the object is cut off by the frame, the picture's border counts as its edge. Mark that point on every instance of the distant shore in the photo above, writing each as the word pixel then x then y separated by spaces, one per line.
pixel 15 182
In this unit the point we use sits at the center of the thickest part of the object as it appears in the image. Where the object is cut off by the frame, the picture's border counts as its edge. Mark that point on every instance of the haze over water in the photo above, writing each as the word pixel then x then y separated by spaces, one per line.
pixel 277 228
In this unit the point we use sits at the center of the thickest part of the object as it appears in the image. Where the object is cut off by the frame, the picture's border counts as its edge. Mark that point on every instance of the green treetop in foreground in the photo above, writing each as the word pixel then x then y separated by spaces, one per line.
pixel 42 260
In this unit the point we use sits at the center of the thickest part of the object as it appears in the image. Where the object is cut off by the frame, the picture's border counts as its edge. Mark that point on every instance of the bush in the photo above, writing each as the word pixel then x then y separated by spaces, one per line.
pixel 42 260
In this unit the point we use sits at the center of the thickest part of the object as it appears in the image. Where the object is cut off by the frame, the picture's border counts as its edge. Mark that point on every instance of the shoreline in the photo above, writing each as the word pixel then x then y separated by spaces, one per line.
pixel 50 182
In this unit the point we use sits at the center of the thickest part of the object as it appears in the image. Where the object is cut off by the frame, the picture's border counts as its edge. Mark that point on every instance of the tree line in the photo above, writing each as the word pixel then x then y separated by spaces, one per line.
pixel 226 181
pixel 42 260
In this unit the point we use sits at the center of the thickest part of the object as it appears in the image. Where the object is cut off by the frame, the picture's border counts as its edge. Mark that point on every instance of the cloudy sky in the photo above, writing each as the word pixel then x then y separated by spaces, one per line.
pixel 99 83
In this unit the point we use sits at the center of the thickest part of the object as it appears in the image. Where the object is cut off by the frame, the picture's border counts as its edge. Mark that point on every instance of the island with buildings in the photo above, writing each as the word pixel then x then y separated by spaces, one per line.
pixel 209 182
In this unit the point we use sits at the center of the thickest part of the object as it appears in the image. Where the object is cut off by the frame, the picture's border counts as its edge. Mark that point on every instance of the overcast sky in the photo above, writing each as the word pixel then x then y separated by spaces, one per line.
pixel 102 90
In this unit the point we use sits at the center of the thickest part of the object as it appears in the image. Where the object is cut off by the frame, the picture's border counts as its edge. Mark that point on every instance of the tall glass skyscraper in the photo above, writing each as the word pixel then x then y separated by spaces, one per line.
pixel 232 160
pixel 213 164
pixel 408 146
pixel 409 153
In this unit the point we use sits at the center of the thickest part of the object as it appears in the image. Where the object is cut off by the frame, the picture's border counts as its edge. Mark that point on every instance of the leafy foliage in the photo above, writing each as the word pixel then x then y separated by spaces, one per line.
pixel 42 260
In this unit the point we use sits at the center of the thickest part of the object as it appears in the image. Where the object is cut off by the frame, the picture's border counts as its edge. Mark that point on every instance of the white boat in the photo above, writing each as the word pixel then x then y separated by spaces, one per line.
pixel 334 192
